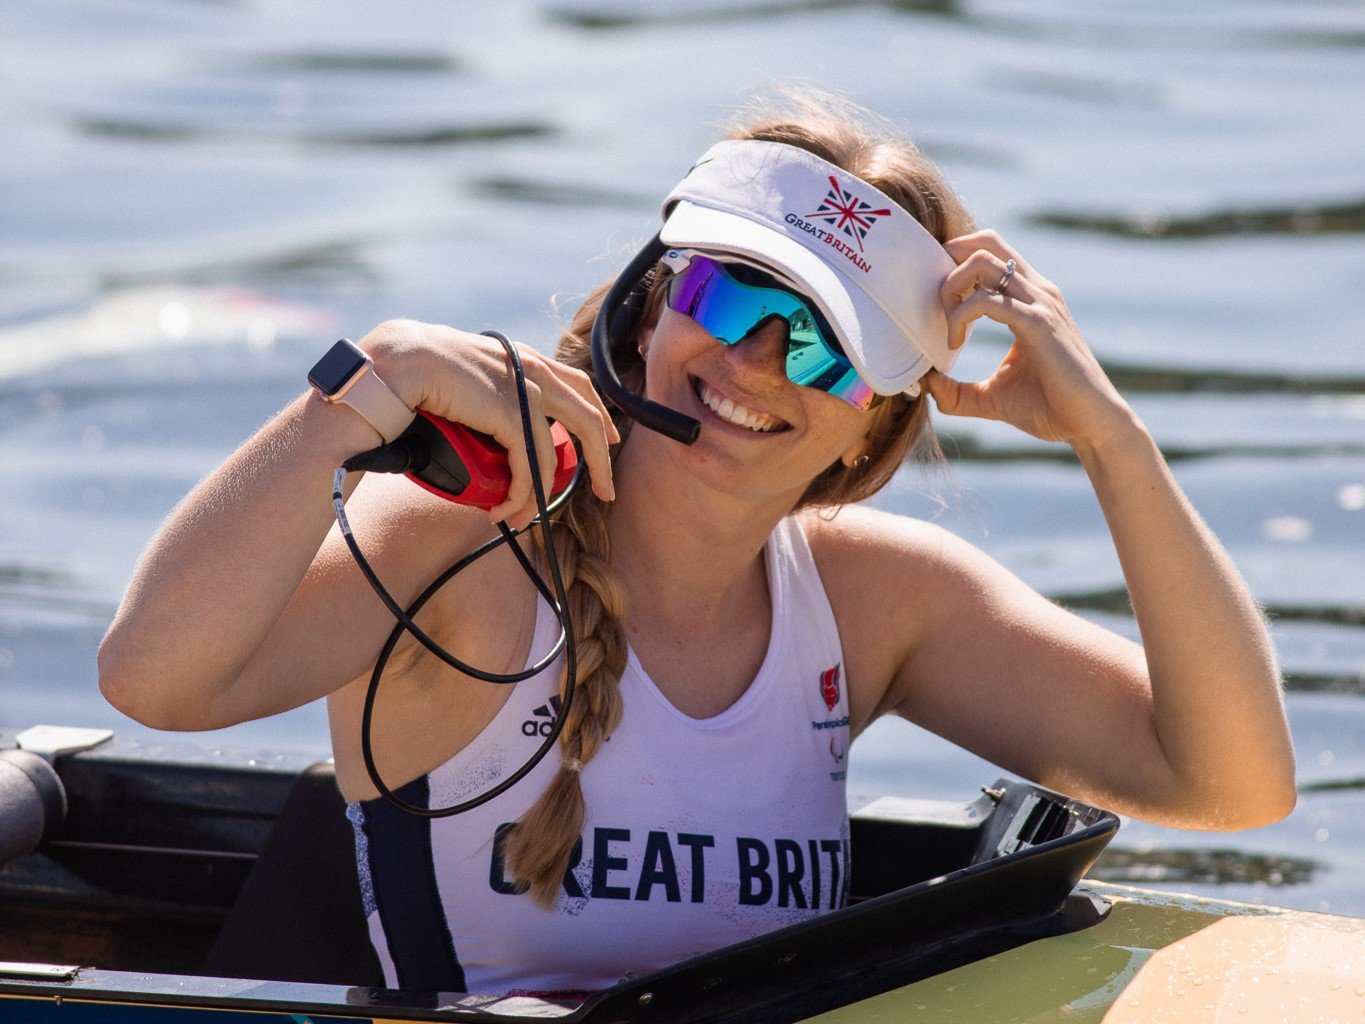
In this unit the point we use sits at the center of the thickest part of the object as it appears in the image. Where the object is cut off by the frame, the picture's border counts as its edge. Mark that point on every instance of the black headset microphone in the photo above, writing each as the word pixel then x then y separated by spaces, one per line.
pixel 469 468
pixel 618 314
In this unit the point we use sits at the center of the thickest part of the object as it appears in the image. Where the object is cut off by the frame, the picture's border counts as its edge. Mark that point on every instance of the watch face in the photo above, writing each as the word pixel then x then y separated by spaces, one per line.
pixel 336 367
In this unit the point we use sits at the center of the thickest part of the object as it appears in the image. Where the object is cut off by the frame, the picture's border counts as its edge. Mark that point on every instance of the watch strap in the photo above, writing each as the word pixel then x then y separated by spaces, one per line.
pixel 384 410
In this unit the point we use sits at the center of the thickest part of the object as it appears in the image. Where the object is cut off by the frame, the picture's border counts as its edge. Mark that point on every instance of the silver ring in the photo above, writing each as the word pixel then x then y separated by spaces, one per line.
pixel 1004 281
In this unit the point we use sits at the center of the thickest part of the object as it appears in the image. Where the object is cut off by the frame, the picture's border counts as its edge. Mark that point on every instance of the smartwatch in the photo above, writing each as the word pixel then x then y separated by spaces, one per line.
pixel 345 374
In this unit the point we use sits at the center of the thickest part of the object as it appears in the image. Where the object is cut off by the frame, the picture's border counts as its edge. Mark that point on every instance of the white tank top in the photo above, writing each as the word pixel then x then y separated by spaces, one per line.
pixel 698 832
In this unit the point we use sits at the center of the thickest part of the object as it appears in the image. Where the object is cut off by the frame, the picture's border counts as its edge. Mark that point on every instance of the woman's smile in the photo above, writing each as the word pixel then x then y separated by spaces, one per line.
pixel 736 411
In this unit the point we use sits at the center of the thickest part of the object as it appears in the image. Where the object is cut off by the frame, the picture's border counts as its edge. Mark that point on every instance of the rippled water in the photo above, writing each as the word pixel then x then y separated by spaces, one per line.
pixel 194 195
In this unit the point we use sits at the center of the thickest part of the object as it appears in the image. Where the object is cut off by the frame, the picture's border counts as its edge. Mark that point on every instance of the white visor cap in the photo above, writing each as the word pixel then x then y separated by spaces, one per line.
pixel 872 268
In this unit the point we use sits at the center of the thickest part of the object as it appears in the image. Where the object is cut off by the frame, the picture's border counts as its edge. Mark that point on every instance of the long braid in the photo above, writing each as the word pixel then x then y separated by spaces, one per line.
pixel 539 849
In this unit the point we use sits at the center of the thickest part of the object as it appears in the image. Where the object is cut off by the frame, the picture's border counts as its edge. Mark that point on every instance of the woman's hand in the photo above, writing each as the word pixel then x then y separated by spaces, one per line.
pixel 467 378
pixel 1049 384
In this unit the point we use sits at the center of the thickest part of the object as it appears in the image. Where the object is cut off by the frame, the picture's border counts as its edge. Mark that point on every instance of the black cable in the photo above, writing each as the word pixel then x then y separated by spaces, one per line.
pixel 611 328
pixel 558 600
pixel 405 617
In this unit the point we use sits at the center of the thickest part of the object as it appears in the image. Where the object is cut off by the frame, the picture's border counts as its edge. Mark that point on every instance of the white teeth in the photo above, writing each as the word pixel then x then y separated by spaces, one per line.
pixel 729 411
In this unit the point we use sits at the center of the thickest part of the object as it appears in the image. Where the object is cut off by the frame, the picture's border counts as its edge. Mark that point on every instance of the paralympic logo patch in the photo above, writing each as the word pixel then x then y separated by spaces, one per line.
pixel 838 751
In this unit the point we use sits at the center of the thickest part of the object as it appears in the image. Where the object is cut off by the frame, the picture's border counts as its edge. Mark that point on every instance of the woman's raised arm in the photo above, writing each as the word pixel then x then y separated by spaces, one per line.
pixel 1202 740
pixel 232 614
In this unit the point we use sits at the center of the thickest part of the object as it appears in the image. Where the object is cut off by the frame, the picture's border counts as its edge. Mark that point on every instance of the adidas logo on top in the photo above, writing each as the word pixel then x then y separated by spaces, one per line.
pixel 542 719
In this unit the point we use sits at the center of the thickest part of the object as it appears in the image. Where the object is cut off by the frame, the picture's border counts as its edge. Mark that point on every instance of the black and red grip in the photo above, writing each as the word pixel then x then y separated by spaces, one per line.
pixel 470 468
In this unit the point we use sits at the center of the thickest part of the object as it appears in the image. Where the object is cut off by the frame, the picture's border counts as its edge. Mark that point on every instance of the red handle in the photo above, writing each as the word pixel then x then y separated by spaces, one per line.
pixel 470 468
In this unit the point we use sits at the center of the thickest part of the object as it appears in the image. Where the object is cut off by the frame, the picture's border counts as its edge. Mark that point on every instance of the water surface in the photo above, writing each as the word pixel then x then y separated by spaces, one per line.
pixel 195 196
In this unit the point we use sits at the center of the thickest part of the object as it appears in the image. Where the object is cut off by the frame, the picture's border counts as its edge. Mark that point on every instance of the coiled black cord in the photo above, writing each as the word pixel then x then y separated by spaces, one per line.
pixel 557 599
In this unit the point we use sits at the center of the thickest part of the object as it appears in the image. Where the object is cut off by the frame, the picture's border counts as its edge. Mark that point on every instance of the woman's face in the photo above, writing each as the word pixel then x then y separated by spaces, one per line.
pixel 760 432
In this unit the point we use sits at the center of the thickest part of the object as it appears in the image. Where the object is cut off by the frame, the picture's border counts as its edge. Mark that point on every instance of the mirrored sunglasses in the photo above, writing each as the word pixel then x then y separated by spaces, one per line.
pixel 732 300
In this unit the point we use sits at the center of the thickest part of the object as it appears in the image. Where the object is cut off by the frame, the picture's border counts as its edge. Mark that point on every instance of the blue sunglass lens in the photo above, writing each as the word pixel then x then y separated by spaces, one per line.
pixel 731 301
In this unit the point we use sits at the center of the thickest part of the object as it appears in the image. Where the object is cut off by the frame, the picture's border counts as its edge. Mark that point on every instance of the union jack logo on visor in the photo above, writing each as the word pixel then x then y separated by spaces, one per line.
pixel 847 213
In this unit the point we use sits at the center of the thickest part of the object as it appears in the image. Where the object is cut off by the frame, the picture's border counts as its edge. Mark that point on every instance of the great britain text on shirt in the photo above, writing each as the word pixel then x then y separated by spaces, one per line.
pixel 797 873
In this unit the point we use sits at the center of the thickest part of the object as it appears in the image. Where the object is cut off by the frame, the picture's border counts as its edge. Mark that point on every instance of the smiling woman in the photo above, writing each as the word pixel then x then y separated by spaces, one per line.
pixel 813 281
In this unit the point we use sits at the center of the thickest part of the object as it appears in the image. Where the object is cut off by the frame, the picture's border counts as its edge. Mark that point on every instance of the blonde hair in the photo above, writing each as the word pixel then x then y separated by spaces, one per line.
pixel 538 850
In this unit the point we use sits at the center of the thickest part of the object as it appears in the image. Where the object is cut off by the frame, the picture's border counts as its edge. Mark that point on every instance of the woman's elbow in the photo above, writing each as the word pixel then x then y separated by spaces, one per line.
pixel 1279 805
pixel 114 677
pixel 1265 810
pixel 1269 790
pixel 129 687
pixel 119 685
pixel 1259 800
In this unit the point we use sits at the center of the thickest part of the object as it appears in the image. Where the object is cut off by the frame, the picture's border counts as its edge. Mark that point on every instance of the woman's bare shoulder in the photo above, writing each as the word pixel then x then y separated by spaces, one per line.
pixel 859 538
pixel 876 561
pixel 882 573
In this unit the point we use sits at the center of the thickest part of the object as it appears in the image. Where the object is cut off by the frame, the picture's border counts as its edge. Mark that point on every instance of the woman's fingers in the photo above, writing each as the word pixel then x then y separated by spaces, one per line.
pixel 563 389
pixel 554 392
pixel 1020 316
pixel 546 459
pixel 956 398
pixel 1034 284
pixel 1049 384
pixel 984 271
pixel 519 507
pixel 580 382
pixel 979 275
pixel 988 240
pixel 519 491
